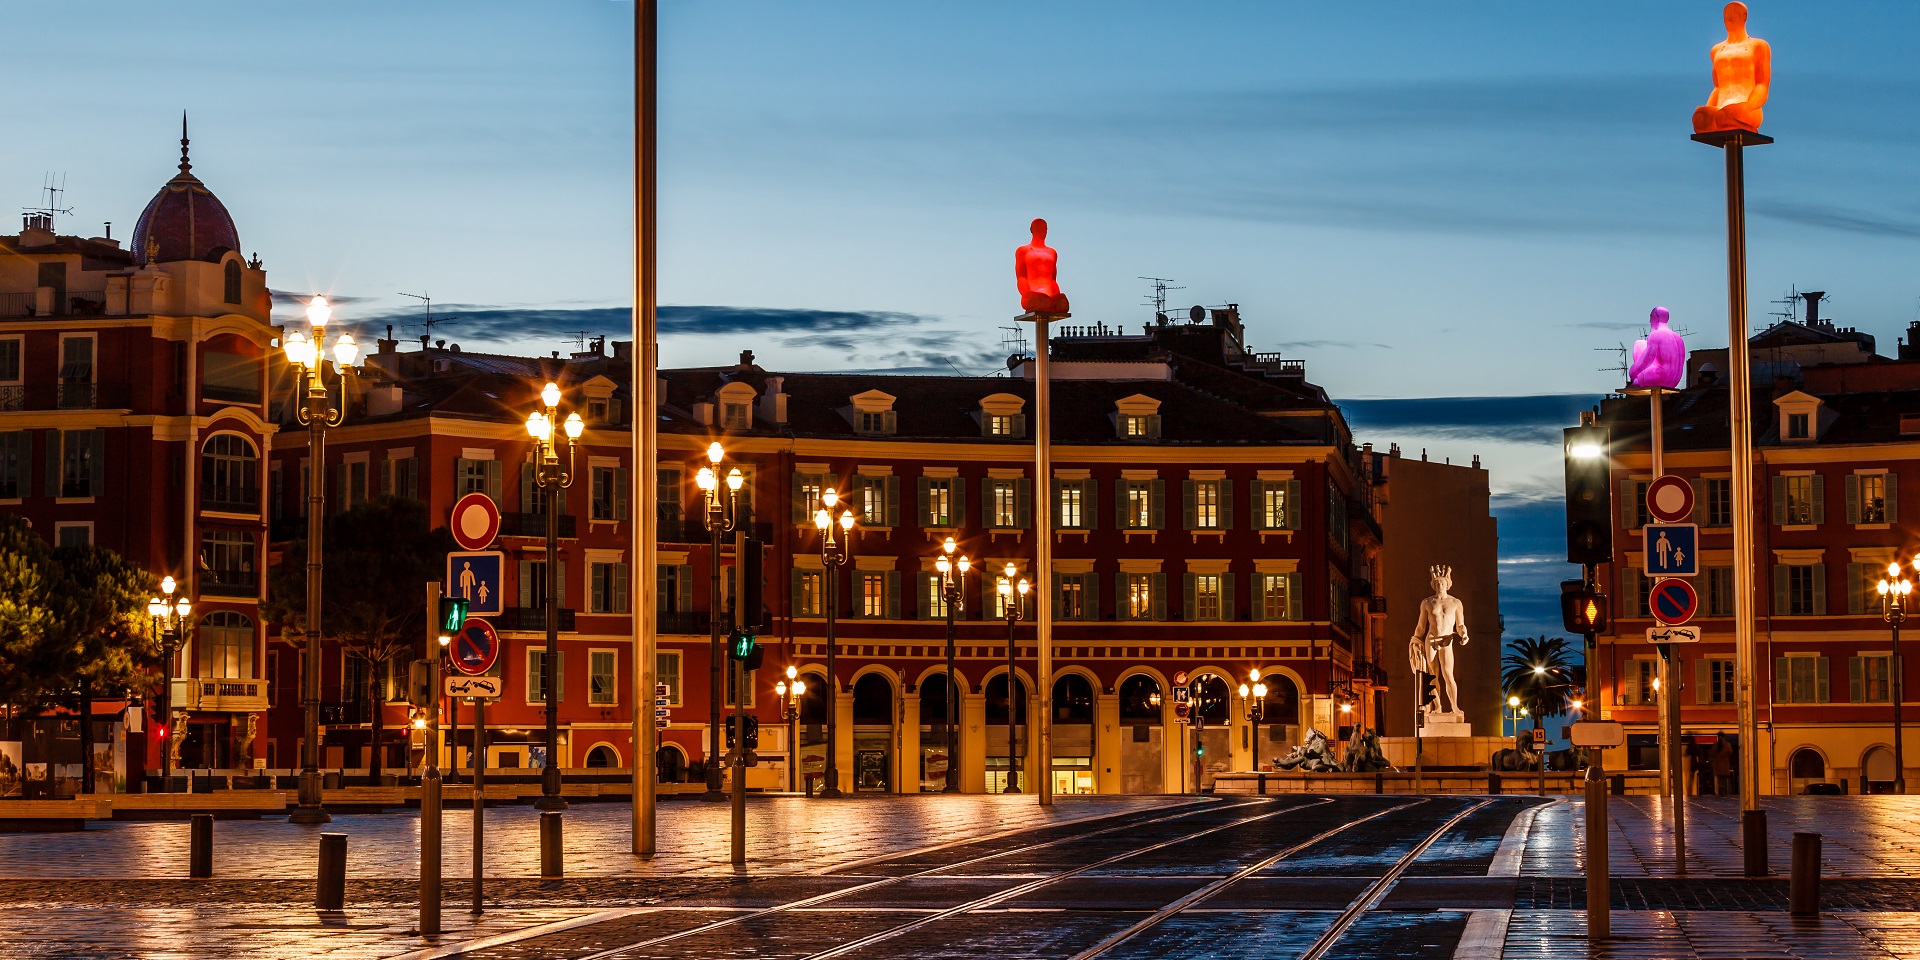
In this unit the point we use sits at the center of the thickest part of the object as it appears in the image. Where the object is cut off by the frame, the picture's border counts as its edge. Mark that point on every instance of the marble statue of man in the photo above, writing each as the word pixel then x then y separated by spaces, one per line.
pixel 1442 625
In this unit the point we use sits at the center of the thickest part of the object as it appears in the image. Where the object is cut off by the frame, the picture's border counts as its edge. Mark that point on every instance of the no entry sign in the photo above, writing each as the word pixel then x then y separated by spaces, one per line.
pixel 1673 602
pixel 475 522
pixel 475 648
pixel 1670 499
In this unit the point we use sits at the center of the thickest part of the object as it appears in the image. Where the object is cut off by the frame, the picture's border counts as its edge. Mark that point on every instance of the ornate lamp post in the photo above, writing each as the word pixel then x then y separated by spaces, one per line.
pixel 550 477
pixel 1255 708
pixel 170 619
pixel 320 408
pixel 790 691
pixel 1893 609
pixel 836 551
pixel 951 584
pixel 723 511
pixel 1011 583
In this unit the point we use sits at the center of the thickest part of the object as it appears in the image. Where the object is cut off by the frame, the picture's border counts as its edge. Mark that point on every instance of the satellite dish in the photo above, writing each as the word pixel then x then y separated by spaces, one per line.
pixel 1160 318
pixel 1198 314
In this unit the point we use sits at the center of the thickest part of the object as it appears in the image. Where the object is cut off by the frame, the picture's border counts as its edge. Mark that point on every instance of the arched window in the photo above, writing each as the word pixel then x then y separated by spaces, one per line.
pixel 233 282
pixel 230 474
pixel 813 703
pixel 601 756
pixel 1072 700
pixel 670 764
pixel 1807 764
pixel 1210 699
pixel 872 700
pixel 997 702
pixel 1283 701
pixel 933 701
pixel 225 641
pixel 1138 700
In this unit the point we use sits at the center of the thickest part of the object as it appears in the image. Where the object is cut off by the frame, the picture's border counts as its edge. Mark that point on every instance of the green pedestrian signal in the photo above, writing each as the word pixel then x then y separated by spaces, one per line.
pixel 453 614
pixel 741 644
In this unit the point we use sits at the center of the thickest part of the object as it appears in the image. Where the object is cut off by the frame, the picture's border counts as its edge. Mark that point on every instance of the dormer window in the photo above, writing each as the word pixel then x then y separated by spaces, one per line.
pixel 735 404
pixel 597 411
pixel 1799 417
pixel 233 281
pixel 873 413
pixel 1001 416
pixel 1137 418
pixel 1797 426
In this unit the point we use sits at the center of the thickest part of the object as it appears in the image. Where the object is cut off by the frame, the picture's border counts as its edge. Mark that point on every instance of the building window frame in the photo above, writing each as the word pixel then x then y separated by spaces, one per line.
pixel 603 677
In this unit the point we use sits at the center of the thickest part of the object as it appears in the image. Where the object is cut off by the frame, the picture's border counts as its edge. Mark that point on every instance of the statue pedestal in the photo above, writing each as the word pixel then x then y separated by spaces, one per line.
pixel 1445 725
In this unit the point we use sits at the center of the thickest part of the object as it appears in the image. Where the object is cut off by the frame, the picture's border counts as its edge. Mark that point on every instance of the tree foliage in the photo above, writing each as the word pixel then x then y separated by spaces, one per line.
pixel 70 616
pixel 1540 671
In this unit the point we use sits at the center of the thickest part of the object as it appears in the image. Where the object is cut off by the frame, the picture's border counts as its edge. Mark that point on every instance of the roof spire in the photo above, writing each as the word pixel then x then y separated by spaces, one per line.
pixel 186 166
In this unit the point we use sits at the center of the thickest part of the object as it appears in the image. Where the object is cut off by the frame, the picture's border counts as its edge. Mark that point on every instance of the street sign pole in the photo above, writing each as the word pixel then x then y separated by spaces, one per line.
pixel 430 786
pixel 479 802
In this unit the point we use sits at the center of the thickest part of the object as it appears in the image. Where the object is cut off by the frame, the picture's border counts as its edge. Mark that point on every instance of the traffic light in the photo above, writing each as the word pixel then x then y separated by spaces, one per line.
pixel 420 690
pixel 753 575
pixel 453 614
pixel 753 733
pixel 742 645
pixel 1589 496
pixel 1582 608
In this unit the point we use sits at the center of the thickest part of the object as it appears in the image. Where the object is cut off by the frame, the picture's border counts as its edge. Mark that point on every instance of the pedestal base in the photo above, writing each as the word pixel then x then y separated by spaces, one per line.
pixel 1446 728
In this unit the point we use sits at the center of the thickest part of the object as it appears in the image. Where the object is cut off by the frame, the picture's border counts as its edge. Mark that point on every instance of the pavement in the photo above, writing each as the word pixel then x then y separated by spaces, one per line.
pixel 954 876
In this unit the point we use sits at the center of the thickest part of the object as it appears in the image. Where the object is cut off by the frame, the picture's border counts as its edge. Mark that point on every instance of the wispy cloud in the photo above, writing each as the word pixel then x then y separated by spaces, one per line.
pixel 1335 344
pixel 1520 419
pixel 1834 218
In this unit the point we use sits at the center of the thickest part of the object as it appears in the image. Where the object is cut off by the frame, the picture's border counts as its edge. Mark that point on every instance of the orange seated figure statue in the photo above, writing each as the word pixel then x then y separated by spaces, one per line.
pixel 1742 71
pixel 1034 267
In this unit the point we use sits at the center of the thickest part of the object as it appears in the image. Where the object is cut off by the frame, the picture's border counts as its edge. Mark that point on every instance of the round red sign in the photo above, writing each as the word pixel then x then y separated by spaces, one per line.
pixel 476 521
pixel 1673 601
pixel 475 647
pixel 1670 499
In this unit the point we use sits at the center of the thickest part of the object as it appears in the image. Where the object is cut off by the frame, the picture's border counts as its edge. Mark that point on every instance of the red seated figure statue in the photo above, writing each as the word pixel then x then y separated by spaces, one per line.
pixel 1033 267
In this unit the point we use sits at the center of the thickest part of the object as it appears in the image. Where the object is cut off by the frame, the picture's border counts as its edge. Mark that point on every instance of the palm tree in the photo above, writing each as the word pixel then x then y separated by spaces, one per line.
pixel 1541 673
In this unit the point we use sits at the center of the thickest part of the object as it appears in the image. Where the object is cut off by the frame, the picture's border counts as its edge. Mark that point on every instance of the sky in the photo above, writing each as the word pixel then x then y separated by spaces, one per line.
pixel 1462 200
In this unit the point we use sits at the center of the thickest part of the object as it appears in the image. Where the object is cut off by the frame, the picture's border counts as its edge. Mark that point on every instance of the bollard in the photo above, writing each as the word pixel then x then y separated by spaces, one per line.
pixel 1379 782
pixel 331 894
pixel 1803 888
pixel 1619 784
pixel 552 866
pixel 1493 783
pixel 200 845
pixel 1753 842
pixel 1599 873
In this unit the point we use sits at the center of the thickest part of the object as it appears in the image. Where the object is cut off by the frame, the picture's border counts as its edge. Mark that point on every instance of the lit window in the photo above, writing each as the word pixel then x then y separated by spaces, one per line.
pixel 873 595
pixel 1206 596
pixel 1073 596
pixel 806 595
pixel 1139 598
pixel 1206 505
pixel 1072 499
pixel 939 503
pixel 1873 497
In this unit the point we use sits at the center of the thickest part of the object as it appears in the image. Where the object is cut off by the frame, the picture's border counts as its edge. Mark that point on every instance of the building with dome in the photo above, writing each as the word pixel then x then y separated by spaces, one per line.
pixel 132 415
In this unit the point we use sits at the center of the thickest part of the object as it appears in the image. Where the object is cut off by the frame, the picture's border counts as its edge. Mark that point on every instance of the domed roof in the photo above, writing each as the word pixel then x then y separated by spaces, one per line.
pixel 184 221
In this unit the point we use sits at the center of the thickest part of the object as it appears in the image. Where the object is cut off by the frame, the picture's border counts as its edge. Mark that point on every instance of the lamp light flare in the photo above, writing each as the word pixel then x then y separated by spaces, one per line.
pixel 734 479
pixel 829 496
pixel 715 453
pixel 704 479
pixel 965 564
pixel 799 687
pixel 318 311
pixel 792 671
pixel 575 426
pixel 780 688
pixel 846 521
pixel 167 585
pixel 345 351
pixel 550 394
pixel 1024 586
pixel 820 518
pixel 1585 451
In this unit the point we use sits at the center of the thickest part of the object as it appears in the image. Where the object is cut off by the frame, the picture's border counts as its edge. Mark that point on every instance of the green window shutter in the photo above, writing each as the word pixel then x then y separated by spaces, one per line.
pixel 1628 510
pixel 53 463
pixel 795 591
pixel 802 511
pixel 620 493
pixel 619 588
pixel 923 596
pixel 1057 597
pixel 686 587
pixel 1257 597
pixel 1023 503
pixel 596 590
pixel 1227 611
pixel 1782 592
pixel 1187 510
pixel 1296 607
pixel 526 488
pixel 1121 611
pixel 1120 504
pixel 1856 680
pixel 494 483
pixel 1153 426
pixel 890 422
pixel 1090 597
pixel 97 483
pixel 893 501
pixel 1893 497
pixel 1053 503
pixel 24 442
pixel 1156 505
pixel 1779 501
pixel 893 594
pixel 1293 506
pixel 1699 515
pixel 386 478
pixel 526 583
pixel 957 515
pixel 460 477
pixel 924 503
pixel 1819 499
pixel 1820 589
pixel 1821 683
pixel 1020 425
pixel 1159 595
pixel 1857 587
pixel 1257 503
pixel 1782 680
pixel 1853 498
pixel 1702 680
pixel 1187 607
pixel 1226 504
pixel 1090 504
pixel 986 503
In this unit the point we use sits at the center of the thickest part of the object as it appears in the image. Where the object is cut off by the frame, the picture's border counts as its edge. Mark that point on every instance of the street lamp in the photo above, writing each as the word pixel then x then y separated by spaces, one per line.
pixel 1893 609
pixel 550 477
pixel 320 408
pixel 1255 707
pixel 951 573
pixel 723 515
pixel 836 551
pixel 1011 583
pixel 170 619
pixel 790 691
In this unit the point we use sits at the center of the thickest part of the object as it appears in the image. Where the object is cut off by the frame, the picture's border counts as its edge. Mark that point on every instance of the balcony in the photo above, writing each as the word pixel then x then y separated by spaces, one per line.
pixel 344 714
pixel 688 622
pixel 16 304
pixel 229 583
pixel 220 694
pixel 229 500
pixel 531 619
pixel 535 525
pixel 13 396
pixel 76 394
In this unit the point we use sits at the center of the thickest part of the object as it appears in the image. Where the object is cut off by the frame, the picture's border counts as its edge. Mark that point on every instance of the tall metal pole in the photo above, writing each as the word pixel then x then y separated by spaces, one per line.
pixel 952 595
pixel 1673 778
pixel 1013 754
pixel 430 789
pixel 1043 559
pixel 645 430
pixel 310 809
pixel 550 669
pixel 715 618
pixel 1753 820
pixel 166 709
pixel 1899 758
pixel 737 788
pixel 833 561
pixel 479 803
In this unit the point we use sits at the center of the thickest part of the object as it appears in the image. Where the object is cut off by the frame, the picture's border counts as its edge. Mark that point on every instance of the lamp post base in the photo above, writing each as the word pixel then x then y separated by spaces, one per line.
pixel 309 810
pixel 951 787
pixel 830 789
pixel 549 803
pixel 550 791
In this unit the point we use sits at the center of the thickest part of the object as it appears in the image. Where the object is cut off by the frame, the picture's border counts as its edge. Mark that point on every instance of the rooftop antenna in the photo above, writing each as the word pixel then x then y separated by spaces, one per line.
pixel 1159 298
pixel 1622 359
pixel 426 326
pixel 1790 305
pixel 1013 340
pixel 51 187
pixel 579 338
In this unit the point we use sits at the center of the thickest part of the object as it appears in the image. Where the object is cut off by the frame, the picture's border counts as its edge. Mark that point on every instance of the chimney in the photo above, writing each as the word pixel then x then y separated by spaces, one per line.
pixel 773 402
pixel 746 359
pixel 1813 298
pixel 623 350
pixel 383 400
pixel 703 412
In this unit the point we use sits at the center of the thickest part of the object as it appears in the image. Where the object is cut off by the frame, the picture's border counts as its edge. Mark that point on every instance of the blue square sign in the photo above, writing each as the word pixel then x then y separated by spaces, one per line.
pixel 476 577
pixel 1671 550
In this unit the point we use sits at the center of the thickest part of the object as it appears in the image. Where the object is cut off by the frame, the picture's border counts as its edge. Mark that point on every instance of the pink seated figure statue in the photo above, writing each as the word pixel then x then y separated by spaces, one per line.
pixel 1034 267
pixel 1660 360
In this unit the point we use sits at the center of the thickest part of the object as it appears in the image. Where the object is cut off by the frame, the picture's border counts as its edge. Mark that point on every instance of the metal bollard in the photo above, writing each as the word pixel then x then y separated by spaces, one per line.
pixel 1599 872
pixel 331 894
pixel 1619 784
pixel 1379 782
pixel 552 864
pixel 1493 783
pixel 200 845
pixel 1753 842
pixel 1803 889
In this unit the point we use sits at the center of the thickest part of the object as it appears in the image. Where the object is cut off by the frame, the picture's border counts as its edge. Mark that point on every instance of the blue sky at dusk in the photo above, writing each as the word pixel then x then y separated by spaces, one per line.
pixel 1421 200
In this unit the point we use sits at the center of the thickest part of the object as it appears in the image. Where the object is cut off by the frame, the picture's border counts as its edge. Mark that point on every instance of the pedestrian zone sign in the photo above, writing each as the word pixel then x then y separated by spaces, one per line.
pixel 475 576
pixel 1671 550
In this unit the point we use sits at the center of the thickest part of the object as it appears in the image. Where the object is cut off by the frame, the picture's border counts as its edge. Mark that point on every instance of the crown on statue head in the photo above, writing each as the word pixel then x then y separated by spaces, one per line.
pixel 1439 570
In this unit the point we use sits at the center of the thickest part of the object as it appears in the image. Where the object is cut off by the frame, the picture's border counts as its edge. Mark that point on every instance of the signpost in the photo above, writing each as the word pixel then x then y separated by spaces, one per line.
pixel 1673 634
pixel 475 687
pixel 1673 602
pixel 475 522
pixel 1671 550
pixel 476 577
pixel 475 648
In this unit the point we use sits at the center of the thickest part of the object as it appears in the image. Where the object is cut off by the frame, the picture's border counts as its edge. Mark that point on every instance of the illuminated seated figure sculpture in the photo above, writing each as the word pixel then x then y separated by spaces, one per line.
pixel 1034 267
pixel 1742 71
pixel 1660 360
